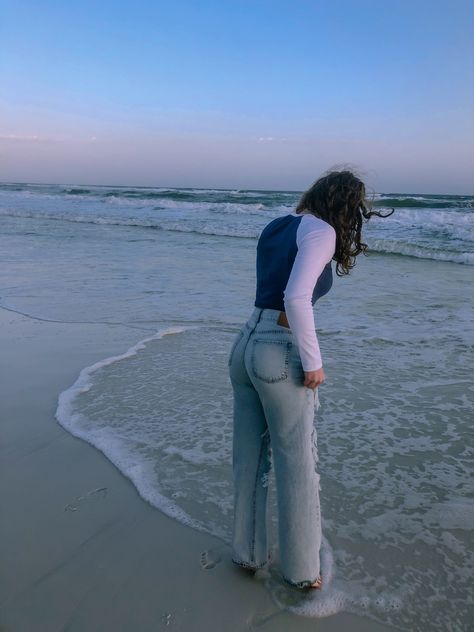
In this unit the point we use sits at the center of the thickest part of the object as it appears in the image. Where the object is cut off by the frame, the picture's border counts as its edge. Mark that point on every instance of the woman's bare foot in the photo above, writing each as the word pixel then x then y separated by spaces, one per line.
pixel 318 583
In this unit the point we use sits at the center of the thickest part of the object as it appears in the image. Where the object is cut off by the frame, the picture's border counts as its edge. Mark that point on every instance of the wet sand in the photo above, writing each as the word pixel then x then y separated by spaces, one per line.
pixel 80 549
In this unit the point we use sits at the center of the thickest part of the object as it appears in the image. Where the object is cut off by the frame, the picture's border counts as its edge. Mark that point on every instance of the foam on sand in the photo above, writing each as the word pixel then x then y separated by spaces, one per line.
pixel 394 530
pixel 105 441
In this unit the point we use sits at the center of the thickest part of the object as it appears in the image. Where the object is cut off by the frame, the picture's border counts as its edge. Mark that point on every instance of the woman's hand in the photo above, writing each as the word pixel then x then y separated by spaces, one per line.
pixel 313 379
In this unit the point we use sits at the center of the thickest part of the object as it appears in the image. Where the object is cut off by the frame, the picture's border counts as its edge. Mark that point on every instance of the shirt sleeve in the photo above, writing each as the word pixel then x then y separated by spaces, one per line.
pixel 315 249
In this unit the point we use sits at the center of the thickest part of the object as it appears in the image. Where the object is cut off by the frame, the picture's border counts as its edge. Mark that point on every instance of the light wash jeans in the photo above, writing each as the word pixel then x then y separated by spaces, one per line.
pixel 273 415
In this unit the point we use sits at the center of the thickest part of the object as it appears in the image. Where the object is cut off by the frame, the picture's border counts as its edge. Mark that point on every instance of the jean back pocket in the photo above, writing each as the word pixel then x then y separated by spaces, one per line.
pixel 270 358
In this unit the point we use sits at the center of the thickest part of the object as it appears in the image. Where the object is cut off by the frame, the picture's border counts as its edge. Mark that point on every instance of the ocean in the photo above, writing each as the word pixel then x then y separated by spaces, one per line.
pixel 394 429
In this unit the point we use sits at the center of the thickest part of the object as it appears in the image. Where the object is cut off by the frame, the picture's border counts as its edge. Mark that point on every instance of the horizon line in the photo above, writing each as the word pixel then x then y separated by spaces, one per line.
pixel 133 186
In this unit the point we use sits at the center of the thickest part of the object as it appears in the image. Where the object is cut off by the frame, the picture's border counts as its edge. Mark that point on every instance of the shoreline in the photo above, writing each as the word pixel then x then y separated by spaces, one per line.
pixel 80 548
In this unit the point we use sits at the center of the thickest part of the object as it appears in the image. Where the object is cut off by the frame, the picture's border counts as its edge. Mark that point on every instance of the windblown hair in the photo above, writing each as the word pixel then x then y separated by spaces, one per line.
pixel 339 198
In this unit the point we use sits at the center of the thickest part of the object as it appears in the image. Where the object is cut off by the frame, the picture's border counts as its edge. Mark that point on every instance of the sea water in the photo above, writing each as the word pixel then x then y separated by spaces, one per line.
pixel 394 428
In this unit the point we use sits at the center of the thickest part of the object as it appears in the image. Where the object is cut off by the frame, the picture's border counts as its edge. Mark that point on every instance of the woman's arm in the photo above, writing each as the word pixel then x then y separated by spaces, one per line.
pixel 316 247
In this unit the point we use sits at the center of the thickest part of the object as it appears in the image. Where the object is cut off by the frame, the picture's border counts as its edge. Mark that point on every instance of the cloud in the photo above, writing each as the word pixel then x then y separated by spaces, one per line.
pixel 37 139
pixel 271 139
pixel 45 139
pixel 18 137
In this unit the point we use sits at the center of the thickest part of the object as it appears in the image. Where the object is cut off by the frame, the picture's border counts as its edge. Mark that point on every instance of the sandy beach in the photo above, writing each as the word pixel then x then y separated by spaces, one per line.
pixel 80 549
pixel 144 149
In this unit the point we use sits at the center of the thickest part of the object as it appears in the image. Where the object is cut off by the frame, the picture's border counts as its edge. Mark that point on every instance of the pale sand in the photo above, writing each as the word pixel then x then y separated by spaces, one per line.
pixel 80 550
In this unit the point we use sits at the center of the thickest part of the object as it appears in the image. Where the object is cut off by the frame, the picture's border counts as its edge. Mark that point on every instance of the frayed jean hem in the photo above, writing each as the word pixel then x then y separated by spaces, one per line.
pixel 246 565
pixel 302 584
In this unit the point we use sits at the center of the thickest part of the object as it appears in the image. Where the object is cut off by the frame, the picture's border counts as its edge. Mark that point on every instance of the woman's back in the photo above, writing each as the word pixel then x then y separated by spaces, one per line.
pixel 294 255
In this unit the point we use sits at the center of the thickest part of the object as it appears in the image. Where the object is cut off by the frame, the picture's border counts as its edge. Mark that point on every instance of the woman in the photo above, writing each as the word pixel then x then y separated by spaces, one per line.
pixel 275 367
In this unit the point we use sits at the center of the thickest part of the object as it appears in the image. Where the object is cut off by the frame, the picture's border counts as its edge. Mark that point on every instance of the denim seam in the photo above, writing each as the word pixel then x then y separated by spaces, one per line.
pixel 251 326
pixel 268 465
pixel 254 502
pixel 234 346
pixel 284 374
pixel 275 331
pixel 314 445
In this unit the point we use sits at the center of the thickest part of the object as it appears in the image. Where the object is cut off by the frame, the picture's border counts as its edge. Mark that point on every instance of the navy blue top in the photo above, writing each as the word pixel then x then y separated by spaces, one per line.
pixel 276 252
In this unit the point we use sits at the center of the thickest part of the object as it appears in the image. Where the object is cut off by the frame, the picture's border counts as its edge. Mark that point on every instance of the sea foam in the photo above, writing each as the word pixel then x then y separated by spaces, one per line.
pixel 394 503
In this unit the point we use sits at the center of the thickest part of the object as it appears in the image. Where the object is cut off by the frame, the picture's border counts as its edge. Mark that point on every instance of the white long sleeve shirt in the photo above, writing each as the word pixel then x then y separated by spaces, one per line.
pixel 316 241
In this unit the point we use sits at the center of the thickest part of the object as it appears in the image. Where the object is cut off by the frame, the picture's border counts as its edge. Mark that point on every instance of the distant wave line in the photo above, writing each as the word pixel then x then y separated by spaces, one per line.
pixel 243 195
pixel 380 246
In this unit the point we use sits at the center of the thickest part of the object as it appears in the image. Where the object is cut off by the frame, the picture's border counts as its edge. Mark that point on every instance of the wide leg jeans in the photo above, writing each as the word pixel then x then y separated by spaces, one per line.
pixel 273 424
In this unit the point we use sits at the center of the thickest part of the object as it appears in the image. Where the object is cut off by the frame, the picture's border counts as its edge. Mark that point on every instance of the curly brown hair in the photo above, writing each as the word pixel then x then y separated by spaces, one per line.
pixel 339 198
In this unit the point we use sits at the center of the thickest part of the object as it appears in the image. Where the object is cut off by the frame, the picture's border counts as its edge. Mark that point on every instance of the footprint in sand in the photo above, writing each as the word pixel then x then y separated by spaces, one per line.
pixel 94 494
pixel 261 619
pixel 209 559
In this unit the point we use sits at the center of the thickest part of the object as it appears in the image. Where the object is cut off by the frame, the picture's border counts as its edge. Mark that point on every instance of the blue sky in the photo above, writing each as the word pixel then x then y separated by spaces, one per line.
pixel 249 94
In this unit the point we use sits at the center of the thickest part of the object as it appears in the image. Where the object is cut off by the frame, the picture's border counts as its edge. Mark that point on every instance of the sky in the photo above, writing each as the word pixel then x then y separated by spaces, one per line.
pixel 250 94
